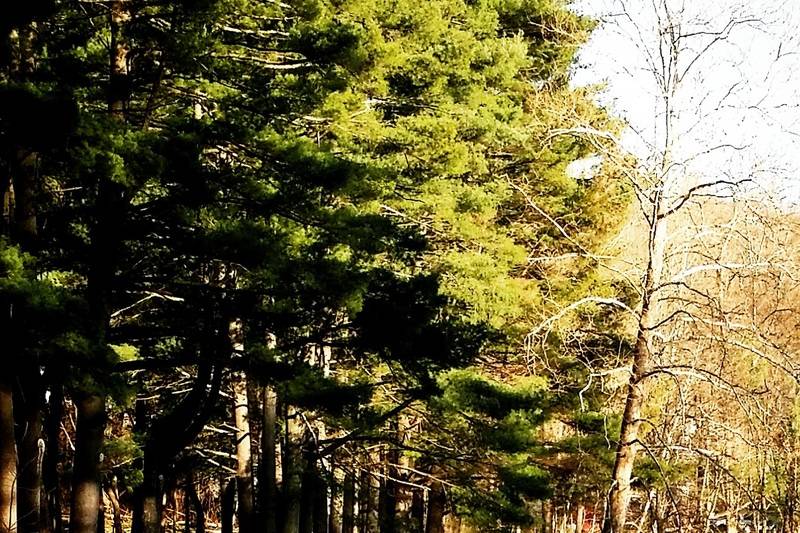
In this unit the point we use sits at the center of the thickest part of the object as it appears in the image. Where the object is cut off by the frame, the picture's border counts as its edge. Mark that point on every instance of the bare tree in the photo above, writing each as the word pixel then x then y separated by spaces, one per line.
pixel 688 163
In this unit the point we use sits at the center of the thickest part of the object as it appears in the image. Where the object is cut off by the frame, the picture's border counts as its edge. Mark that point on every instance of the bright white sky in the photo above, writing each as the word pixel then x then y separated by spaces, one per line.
pixel 743 92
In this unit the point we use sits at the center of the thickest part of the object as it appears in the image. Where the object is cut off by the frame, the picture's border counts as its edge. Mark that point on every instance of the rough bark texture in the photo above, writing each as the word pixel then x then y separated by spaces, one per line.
pixel 241 421
pixel 227 506
pixel 8 461
pixel 113 498
pixel 86 493
pixel 628 445
pixel 335 503
pixel 268 482
pixel 389 494
pixel 348 503
pixel 28 403
pixel 244 461
pixel 52 478
pixel 86 498
pixel 167 437
pixel 196 504
pixel 374 493
pixel 437 500
pixel 320 503
pixel 417 511
pixel 293 471
pixel 307 499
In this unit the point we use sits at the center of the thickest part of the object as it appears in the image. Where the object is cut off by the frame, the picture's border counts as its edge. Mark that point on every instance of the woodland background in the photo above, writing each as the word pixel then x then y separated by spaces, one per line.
pixel 326 266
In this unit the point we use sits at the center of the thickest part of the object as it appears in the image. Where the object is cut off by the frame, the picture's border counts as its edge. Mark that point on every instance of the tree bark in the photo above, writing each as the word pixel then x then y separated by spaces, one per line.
pixel 8 460
pixel 196 504
pixel 334 509
pixel 113 498
pixel 320 503
pixel 52 479
pixel 628 445
pixel 374 493
pixel 28 403
pixel 227 506
pixel 86 469
pixel 308 494
pixel 363 499
pixel 390 492
pixel 268 482
pixel 167 437
pixel 86 492
pixel 244 464
pixel 293 470
pixel 437 500
pixel 417 512
pixel 348 503
pixel 241 421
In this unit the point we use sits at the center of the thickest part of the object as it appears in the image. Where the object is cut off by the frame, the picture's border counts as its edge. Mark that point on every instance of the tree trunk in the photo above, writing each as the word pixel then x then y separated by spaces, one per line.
pixel 86 493
pixel 417 512
pixel 8 461
pixel 244 464
pixel 147 499
pixel 334 510
pixel 308 498
pixel 196 504
pixel 363 500
pixel 113 498
pixel 348 503
pixel 390 492
pixel 28 403
pixel 86 468
pixel 268 482
pixel 52 479
pixel 628 445
pixel 320 504
pixel 293 470
pixel 374 494
pixel 547 516
pixel 437 500
pixel 227 506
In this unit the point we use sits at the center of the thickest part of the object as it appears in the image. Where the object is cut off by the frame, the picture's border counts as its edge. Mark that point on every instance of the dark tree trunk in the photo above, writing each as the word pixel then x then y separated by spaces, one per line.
pixel 86 492
pixel 628 444
pixel 147 502
pixel 52 479
pixel 227 506
pixel 28 403
pixel 373 495
pixel 417 512
pixel 86 469
pixel 363 501
pixel 437 500
pixel 307 500
pixel 320 504
pixel 8 460
pixel 293 471
pixel 348 503
pixel 268 493
pixel 390 489
pixel 168 436
pixel 196 505
pixel 334 511
pixel 113 498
